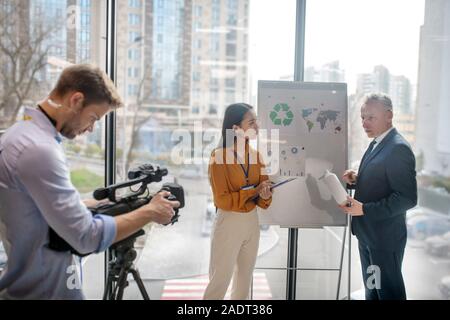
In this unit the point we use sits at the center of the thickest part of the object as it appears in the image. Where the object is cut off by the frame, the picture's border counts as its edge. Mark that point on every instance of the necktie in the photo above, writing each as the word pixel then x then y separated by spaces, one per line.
pixel 371 146
pixel 368 151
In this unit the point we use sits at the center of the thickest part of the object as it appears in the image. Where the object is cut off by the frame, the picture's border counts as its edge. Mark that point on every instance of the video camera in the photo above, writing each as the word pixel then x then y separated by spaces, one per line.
pixel 142 176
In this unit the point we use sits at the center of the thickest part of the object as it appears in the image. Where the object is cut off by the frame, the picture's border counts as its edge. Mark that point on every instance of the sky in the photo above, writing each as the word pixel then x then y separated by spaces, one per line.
pixel 358 33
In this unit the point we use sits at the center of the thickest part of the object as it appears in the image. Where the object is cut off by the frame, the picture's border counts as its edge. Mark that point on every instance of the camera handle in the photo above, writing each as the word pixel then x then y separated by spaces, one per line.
pixel 110 192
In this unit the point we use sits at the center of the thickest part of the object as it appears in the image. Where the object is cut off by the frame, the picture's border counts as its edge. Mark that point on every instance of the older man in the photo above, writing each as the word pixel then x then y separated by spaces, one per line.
pixel 385 188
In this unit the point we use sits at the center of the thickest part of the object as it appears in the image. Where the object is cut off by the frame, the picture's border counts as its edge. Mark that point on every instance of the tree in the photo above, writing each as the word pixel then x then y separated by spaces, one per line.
pixel 24 50
pixel 139 118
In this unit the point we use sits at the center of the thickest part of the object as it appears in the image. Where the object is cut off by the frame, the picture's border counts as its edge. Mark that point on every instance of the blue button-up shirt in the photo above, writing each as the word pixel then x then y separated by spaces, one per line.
pixel 35 193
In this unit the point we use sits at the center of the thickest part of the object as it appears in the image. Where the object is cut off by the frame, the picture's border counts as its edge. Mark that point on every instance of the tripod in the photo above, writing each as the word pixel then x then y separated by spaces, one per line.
pixel 119 268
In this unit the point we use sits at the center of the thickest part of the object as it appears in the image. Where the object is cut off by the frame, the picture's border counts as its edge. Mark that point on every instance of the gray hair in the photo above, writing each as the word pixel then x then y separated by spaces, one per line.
pixel 378 97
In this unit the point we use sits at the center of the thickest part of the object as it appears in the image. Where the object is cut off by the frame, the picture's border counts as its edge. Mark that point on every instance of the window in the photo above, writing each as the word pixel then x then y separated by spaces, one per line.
pixel 230 96
pixel 132 90
pixel 212 109
pixel 160 21
pixel 231 49
pixel 198 10
pixel 134 19
pixel 214 82
pixel 133 36
pixel 134 54
pixel 43 27
pixel 231 35
pixel 215 44
pixel 196 76
pixel 173 84
pixel 134 3
pixel 232 20
pixel 405 75
pixel 230 82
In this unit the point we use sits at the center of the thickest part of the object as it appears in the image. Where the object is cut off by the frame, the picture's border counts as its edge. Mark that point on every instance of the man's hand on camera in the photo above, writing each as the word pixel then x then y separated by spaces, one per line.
pixel 160 208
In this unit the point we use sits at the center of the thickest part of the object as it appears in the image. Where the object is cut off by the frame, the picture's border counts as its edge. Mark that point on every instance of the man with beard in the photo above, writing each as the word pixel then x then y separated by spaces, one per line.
pixel 36 193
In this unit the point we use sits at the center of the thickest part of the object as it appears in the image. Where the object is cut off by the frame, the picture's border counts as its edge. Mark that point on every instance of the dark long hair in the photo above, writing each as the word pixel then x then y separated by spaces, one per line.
pixel 234 114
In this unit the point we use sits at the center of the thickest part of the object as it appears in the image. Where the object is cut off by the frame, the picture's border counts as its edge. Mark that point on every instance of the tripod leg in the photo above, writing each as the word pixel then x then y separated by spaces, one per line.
pixel 107 287
pixel 121 283
pixel 140 283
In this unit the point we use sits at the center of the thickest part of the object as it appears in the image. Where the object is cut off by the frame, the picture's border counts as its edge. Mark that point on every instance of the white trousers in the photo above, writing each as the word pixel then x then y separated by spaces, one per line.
pixel 234 248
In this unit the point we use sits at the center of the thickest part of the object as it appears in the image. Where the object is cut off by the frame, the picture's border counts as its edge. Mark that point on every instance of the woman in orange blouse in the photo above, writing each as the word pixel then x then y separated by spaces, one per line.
pixel 239 184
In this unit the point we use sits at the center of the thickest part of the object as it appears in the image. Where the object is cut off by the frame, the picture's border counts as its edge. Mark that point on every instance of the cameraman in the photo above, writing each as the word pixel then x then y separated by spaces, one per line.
pixel 36 192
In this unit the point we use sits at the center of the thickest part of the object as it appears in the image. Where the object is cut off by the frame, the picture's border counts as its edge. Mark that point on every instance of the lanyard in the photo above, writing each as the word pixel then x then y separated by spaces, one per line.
pixel 246 171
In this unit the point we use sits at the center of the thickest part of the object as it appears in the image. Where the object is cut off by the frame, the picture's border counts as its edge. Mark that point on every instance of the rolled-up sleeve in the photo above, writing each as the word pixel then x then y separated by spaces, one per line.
pixel 109 231
pixel 43 172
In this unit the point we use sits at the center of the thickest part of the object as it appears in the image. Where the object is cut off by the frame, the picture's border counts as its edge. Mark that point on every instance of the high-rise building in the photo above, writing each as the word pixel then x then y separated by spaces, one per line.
pixel 154 69
pixel 154 52
pixel 365 84
pixel 405 123
pixel 433 94
pixel 49 14
pixel 381 78
pixel 85 43
pixel 181 61
pixel 329 72
pixel 400 93
pixel 219 55
pixel 377 81
pixel 171 54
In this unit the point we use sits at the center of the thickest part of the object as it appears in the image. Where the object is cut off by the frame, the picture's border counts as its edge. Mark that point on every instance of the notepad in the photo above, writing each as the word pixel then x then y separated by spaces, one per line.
pixel 276 185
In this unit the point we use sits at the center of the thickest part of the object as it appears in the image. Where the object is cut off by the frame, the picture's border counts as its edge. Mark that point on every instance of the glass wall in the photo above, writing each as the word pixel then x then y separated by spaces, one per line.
pixel 400 48
pixel 37 40
pixel 180 63
pixel 57 34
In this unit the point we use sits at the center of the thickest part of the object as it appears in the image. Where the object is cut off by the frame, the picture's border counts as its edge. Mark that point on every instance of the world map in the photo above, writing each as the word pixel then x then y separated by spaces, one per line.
pixel 318 120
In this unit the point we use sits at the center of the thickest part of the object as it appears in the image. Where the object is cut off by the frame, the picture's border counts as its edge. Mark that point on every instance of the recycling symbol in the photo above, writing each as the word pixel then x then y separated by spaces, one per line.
pixel 281 109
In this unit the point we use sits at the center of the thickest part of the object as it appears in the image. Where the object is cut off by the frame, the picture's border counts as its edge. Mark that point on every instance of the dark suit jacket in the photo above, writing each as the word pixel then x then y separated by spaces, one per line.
pixel 387 187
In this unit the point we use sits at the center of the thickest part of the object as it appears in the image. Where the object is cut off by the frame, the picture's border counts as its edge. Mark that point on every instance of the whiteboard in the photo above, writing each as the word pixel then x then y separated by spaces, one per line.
pixel 311 121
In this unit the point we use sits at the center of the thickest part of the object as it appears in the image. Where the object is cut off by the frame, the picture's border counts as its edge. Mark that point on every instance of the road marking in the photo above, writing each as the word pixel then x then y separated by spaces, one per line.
pixel 193 288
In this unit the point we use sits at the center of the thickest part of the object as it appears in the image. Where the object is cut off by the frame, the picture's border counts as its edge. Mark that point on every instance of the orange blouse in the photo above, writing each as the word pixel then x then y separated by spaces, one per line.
pixel 228 179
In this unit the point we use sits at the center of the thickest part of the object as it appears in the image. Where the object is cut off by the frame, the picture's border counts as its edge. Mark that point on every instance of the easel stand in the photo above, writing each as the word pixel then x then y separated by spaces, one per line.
pixel 292 264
